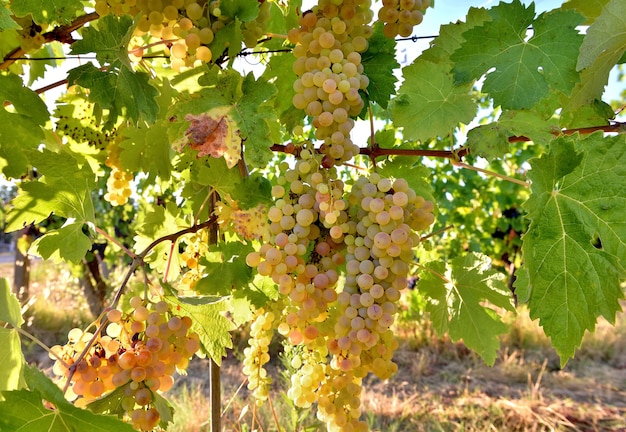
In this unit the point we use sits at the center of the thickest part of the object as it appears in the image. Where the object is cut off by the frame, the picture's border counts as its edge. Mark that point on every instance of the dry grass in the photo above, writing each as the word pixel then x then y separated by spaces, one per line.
pixel 441 385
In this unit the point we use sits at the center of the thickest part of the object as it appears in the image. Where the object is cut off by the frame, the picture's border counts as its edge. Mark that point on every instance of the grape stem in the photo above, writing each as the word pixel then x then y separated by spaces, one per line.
pixel 115 242
pixel 373 145
pixel 276 35
pixel 492 173
pixel 375 151
pixel 169 261
pixel 439 275
pixel 252 426
pixel 204 202
pixel 41 344
pixel 436 233
pixel 61 33
pixel 379 151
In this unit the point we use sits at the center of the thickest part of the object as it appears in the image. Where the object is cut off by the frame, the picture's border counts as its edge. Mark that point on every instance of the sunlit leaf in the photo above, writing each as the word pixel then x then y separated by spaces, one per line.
pixel 429 104
pixel 456 295
pixel 575 247
pixel 519 71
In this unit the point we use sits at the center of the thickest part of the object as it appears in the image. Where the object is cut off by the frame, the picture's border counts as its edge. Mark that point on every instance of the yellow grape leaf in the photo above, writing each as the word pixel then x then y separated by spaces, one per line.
pixel 215 134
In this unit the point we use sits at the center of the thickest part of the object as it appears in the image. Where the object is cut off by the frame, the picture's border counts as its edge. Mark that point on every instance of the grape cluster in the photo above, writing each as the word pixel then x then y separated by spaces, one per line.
pixel 118 186
pixel 388 213
pixel 339 401
pixel 257 354
pixel 306 220
pixel 118 183
pixel 310 374
pixel 138 355
pixel 329 72
pixel 400 16
pixel 188 27
pixel 341 332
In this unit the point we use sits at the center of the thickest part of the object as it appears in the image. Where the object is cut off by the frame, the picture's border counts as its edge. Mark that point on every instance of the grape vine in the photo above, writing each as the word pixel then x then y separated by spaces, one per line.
pixel 296 198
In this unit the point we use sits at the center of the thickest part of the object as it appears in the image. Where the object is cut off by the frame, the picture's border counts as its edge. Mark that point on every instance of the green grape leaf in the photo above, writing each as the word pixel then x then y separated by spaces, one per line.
pixel 45 55
pixel 37 380
pixel 379 61
pixel 282 18
pixel 147 149
pixel 279 72
pixel 259 291
pixel 159 222
pixel 215 173
pixel 109 41
pixel 529 124
pixel 9 40
pixel 491 141
pixel 20 131
pixel 241 306
pixel 10 310
pixel 228 273
pixel 122 92
pixel 111 403
pixel 228 41
pixel 591 9
pixel 6 22
pixel 12 360
pixel 248 103
pixel 254 115
pixel 68 243
pixel 27 410
pixel 64 190
pixel 450 36
pixel 245 10
pixel 385 138
pixel 209 322
pixel 77 122
pixel 429 103
pixel 575 247
pixel 584 108
pixel 524 70
pixel 461 300
pixel 165 409
pixel 253 190
pixel 601 50
pixel 48 11
pixel 605 40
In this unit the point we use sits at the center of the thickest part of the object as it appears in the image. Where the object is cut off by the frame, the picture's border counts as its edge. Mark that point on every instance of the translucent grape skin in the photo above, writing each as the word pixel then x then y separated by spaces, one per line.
pixel 139 361
pixel 329 70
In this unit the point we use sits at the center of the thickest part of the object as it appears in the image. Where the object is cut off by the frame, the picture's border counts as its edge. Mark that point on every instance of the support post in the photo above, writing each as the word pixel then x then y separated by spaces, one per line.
pixel 215 395
pixel 215 384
